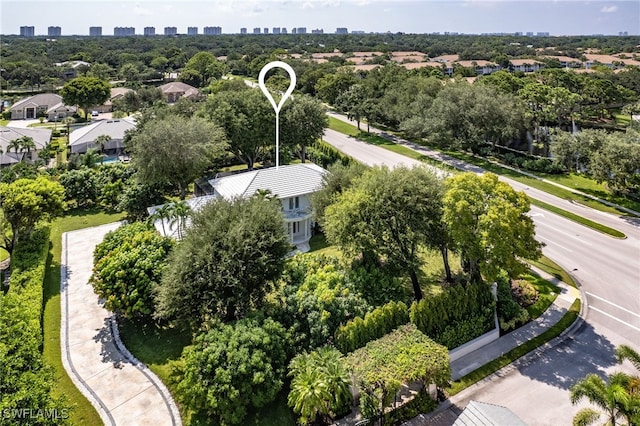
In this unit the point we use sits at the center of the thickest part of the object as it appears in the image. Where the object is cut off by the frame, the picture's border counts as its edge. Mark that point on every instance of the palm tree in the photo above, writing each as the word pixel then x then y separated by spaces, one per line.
pixel 611 397
pixel 26 144
pixel 177 215
pixel 626 352
pixel 320 385
pixel 163 212
pixel 102 141
pixel 15 145
pixel 90 158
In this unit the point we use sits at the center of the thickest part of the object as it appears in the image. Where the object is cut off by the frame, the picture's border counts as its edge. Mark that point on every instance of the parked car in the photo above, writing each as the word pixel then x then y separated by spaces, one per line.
pixel 94 113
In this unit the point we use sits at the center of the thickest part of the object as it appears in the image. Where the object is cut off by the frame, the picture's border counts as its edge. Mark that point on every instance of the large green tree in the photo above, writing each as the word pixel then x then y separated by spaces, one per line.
pixel 390 214
pixel 201 69
pixel 24 203
pixel 226 262
pixel 334 183
pixel 247 119
pixel 489 225
pixel 303 123
pixel 176 150
pixel 128 265
pixel 233 368
pixel 85 92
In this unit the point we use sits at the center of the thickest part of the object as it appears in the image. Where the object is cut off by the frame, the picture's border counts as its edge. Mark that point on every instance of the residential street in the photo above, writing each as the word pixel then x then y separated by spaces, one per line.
pixel 608 270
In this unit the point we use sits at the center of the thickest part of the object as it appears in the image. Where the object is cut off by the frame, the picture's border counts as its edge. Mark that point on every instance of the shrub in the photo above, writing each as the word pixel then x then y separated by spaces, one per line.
pixel 383 320
pixel 128 266
pixel 235 367
pixel 524 293
pixel 456 312
pixel 376 286
pixel 26 382
pixel 510 314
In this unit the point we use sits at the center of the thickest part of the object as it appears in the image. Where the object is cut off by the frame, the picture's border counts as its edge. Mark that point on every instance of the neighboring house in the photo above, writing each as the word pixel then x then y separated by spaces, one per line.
pixel 171 227
pixel 49 104
pixel 41 138
pixel 480 67
pixel 70 68
pixel 83 138
pixel 176 90
pixel 291 184
pixel 116 93
pixel 526 65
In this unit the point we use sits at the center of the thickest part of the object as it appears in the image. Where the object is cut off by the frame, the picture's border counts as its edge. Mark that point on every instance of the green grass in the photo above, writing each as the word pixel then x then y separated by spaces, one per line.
pixel 320 246
pixel 3 123
pixel 84 413
pixel 552 268
pixel 160 348
pixel 547 294
pixel 578 219
pixel 498 363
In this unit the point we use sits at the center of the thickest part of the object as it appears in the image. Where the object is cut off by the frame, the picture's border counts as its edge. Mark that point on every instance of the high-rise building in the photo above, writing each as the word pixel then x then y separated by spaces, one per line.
pixel 212 30
pixel 276 30
pixel 54 31
pixel 265 30
pixel 170 31
pixel 317 31
pixel 623 33
pixel 283 30
pixel 256 30
pixel 529 33
pixel 27 31
pixel 301 30
pixel 192 30
pixel 124 31
pixel 542 34
pixel 149 31
pixel 95 31
pixel 342 30
pixel 243 30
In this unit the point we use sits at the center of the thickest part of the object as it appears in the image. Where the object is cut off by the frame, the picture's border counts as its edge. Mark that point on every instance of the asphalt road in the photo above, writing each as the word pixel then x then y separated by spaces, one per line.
pixel 608 270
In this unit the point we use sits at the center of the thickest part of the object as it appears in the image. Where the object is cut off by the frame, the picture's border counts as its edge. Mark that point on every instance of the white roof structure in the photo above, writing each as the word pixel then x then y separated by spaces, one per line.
pixel 166 228
pixel 483 414
pixel 283 182
pixel 41 138
pixel 83 138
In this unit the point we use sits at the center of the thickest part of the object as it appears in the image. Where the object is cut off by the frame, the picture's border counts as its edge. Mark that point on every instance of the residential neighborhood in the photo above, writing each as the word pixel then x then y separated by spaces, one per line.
pixel 427 230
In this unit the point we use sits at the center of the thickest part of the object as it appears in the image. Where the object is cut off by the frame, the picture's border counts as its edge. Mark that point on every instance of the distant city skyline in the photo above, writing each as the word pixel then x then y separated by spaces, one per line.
pixel 568 17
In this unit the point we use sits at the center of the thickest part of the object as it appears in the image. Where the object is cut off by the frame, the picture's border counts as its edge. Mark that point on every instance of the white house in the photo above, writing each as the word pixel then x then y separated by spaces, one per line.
pixel 49 104
pixel 291 184
pixel 83 138
pixel 41 138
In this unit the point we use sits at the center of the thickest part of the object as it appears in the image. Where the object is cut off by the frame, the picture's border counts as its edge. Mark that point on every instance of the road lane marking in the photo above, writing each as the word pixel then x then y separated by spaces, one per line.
pixel 567 234
pixel 613 304
pixel 554 243
pixel 615 318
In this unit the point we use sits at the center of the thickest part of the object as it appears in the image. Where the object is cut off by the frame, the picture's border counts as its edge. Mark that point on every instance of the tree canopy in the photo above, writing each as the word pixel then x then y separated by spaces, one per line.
pixel 488 223
pixel 175 150
pixel 85 92
pixel 226 262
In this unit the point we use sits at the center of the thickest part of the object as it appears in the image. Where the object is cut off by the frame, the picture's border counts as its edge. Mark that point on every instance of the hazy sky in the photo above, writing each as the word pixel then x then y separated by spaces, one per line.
pixel 568 17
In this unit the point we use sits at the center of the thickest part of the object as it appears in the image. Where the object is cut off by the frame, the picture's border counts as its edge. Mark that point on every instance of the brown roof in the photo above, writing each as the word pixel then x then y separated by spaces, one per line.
pixel 477 63
pixel 366 54
pixel 366 67
pixel 563 58
pixel 325 55
pixel 414 65
pixel 517 62
pixel 446 58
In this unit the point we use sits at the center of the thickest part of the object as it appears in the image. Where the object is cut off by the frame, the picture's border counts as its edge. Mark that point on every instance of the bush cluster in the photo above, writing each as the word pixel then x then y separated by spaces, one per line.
pixel 382 320
pixel 533 164
pixel 26 381
pixel 510 314
pixel 456 312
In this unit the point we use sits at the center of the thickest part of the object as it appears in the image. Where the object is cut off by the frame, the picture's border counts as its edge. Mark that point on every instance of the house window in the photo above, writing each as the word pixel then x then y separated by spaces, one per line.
pixel 296 227
pixel 294 203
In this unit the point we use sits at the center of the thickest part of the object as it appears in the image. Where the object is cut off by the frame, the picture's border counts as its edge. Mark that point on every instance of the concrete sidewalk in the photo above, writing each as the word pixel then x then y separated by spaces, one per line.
pixel 123 390
pixel 448 411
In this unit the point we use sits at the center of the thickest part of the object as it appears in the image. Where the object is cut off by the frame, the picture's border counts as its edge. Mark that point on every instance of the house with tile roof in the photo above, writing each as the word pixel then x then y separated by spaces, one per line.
pixel 41 138
pixel 116 93
pixel 49 104
pixel 292 184
pixel 83 138
pixel 525 65
pixel 176 89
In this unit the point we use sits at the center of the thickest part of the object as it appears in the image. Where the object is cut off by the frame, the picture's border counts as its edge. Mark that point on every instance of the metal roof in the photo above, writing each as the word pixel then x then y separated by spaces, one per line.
pixel 483 414
pixel 283 182
pixel 115 128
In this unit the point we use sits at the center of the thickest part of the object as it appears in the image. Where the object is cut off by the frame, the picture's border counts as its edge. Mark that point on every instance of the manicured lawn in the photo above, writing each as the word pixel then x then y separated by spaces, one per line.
pixel 320 245
pixel 552 268
pixel 493 366
pixel 84 413
pixel 547 294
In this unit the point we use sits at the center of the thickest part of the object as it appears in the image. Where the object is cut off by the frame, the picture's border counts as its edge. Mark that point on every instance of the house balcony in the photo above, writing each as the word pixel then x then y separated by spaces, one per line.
pixel 295 215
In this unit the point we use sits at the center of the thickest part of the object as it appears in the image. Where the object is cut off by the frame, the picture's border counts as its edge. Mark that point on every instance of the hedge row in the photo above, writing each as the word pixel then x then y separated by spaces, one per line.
pixel 455 316
pixel 25 380
pixel 460 310
pixel 383 320
pixel 324 154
